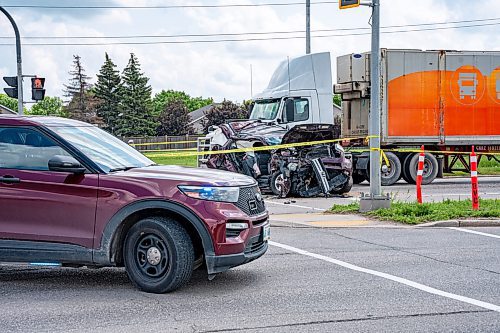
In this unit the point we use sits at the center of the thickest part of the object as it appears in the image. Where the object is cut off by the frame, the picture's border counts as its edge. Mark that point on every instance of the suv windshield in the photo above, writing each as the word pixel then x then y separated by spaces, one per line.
pixel 265 110
pixel 108 152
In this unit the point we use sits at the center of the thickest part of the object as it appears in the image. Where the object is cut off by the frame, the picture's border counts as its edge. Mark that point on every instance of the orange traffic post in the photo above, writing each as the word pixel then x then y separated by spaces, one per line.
pixel 420 173
pixel 473 177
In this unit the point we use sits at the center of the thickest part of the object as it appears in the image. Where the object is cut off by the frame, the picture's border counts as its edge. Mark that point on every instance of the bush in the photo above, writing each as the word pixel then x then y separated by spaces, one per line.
pixel 174 120
pixel 223 112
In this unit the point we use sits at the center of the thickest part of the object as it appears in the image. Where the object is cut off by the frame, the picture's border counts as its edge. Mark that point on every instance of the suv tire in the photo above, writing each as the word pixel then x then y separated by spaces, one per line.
pixel 158 255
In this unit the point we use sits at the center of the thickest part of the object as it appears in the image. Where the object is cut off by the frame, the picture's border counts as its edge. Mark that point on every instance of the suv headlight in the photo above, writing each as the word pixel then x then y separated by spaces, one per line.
pixel 212 193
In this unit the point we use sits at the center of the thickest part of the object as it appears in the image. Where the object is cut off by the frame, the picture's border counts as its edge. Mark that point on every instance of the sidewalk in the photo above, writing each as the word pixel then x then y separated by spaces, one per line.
pixel 325 220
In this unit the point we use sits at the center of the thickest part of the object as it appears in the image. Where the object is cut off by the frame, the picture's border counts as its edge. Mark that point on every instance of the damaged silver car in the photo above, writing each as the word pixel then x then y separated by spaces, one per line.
pixel 303 171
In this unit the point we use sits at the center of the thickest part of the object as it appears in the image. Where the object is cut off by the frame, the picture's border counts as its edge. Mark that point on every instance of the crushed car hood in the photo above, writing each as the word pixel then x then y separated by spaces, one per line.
pixel 311 132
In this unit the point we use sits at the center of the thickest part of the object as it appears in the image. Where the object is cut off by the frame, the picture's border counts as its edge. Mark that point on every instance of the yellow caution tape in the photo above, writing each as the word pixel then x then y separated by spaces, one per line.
pixel 249 149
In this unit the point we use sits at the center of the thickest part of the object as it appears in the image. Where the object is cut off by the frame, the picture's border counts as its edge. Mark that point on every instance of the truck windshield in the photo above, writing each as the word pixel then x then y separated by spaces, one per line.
pixel 110 153
pixel 265 110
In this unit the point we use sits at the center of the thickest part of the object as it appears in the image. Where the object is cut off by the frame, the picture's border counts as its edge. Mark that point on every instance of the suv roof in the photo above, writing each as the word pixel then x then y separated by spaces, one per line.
pixel 7 119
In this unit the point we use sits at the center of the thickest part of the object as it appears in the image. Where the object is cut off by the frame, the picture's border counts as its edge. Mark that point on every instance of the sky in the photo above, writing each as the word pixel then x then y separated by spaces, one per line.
pixel 225 70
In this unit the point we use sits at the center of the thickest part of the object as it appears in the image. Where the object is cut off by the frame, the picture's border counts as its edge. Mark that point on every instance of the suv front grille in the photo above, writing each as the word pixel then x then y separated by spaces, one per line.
pixel 255 244
pixel 250 202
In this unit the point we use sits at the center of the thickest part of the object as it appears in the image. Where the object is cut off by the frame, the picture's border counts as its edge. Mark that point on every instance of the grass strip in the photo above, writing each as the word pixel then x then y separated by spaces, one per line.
pixel 413 213
pixel 175 160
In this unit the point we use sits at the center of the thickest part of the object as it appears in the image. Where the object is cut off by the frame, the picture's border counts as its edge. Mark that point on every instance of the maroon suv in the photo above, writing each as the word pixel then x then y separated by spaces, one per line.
pixel 72 194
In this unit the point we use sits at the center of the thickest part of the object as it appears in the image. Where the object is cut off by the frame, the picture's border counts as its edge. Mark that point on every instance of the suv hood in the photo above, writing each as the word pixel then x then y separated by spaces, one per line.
pixel 311 132
pixel 189 176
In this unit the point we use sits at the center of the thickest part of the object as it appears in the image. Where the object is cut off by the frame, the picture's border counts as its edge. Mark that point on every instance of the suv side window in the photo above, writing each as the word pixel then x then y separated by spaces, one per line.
pixel 26 149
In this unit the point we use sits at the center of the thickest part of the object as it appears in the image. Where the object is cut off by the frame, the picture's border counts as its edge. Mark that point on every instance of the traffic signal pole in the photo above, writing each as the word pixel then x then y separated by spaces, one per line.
pixel 19 63
pixel 374 128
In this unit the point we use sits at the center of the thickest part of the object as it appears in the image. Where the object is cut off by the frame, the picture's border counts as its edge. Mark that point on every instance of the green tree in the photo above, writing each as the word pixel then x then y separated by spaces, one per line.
pixel 174 120
pixel 49 106
pixel 82 103
pixel 192 103
pixel 223 112
pixel 9 102
pixel 107 91
pixel 337 99
pixel 136 106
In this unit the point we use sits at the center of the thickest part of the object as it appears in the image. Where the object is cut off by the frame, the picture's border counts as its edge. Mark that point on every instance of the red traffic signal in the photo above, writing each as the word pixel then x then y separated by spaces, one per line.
pixel 37 91
pixel 343 4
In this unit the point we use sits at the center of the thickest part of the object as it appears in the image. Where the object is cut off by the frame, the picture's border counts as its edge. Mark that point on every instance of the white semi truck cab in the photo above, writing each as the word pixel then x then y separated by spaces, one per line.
pixel 299 92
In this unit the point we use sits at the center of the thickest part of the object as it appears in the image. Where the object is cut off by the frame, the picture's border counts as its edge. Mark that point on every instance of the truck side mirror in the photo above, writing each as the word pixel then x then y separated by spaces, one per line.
pixel 290 110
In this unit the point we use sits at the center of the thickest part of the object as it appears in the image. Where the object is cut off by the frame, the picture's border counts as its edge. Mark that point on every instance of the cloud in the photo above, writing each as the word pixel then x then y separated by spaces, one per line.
pixel 222 70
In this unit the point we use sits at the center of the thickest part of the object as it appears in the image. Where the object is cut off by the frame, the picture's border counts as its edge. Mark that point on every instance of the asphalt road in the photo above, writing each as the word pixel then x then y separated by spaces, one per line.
pixel 363 279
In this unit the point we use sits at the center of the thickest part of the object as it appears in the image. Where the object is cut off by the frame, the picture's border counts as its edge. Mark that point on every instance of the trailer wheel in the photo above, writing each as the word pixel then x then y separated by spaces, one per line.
pixel 405 170
pixel 391 173
pixel 431 168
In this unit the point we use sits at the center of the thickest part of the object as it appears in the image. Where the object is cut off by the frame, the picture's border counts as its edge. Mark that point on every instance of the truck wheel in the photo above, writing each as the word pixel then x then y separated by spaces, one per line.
pixel 345 188
pixel 358 178
pixel 405 172
pixel 279 186
pixel 389 174
pixel 392 172
pixel 158 255
pixel 431 168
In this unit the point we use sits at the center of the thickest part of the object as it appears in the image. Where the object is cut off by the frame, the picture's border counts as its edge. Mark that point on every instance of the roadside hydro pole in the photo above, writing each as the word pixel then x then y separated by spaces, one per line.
pixel 19 63
pixel 308 26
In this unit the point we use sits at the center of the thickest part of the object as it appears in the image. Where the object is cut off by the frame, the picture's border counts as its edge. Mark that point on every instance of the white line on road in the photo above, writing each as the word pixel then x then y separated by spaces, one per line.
pixel 409 283
pixel 292 205
pixel 475 232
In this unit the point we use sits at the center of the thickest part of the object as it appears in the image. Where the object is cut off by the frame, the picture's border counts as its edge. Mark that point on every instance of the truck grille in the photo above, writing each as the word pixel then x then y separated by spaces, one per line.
pixel 250 201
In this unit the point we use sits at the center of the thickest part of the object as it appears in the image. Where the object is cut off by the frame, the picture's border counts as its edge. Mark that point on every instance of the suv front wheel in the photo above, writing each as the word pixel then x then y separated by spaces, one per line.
pixel 158 255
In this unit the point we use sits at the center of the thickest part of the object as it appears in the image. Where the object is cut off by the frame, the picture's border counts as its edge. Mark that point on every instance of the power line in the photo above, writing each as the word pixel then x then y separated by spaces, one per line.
pixel 251 33
pixel 271 4
pixel 249 39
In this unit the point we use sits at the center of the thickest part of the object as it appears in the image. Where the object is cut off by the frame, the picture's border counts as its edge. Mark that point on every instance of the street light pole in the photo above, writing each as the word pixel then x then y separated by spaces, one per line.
pixel 19 63
pixel 308 26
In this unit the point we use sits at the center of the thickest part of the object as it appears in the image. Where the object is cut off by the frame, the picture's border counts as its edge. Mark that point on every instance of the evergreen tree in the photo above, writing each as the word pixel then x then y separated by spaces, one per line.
pixel 174 120
pixel 107 91
pixel 136 109
pixel 82 103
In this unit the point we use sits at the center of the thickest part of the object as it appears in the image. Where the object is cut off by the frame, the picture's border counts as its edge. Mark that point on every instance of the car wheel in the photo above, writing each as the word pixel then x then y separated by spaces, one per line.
pixel 158 255
pixel 345 188
pixel 279 186
pixel 358 178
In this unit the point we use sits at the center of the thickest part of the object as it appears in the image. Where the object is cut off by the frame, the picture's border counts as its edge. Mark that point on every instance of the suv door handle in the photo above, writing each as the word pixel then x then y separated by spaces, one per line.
pixel 9 180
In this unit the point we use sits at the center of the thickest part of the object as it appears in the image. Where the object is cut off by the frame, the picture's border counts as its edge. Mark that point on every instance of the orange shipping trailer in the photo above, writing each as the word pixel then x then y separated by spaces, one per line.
pixel 446 100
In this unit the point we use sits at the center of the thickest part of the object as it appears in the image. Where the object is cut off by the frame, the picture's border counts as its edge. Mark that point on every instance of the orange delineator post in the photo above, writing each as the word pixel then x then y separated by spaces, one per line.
pixel 473 177
pixel 420 172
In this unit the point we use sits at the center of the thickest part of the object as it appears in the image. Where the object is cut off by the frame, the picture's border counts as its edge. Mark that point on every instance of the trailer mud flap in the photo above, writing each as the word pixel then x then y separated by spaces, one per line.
pixel 321 175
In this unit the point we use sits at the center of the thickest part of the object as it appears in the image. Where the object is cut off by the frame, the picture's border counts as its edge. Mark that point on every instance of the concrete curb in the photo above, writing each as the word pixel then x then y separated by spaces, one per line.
pixel 462 223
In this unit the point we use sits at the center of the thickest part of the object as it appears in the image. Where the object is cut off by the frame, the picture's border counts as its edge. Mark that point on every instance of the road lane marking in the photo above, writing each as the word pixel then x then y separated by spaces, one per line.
pixel 293 205
pixel 394 278
pixel 475 232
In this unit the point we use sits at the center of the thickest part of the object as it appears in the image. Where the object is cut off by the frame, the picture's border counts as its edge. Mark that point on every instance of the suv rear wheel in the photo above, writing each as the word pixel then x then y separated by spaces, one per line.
pixel 158 255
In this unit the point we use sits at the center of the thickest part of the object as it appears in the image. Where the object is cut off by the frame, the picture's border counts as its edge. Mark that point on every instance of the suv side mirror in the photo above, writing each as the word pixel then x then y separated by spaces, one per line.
pixel 62 163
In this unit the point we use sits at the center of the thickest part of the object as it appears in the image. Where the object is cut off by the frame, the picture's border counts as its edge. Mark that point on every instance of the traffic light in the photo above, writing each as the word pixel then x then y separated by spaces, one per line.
pixel 343 4
pixel 12 82
pixel 37 91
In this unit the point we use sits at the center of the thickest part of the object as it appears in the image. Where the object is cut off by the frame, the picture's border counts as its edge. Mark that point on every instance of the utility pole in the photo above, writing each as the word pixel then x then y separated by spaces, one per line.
pixel 19 63
pixel 308 26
